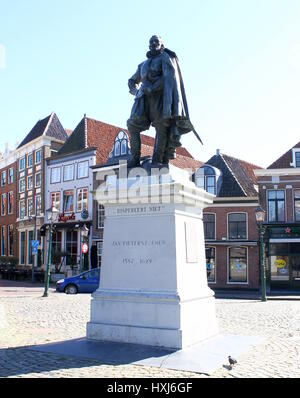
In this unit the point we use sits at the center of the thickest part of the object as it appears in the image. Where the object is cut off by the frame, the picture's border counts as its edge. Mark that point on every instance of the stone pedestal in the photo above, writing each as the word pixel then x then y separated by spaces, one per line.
pixel 153 285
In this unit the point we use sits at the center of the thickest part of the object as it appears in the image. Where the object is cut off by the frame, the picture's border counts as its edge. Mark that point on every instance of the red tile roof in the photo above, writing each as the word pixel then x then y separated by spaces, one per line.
pixel 284 162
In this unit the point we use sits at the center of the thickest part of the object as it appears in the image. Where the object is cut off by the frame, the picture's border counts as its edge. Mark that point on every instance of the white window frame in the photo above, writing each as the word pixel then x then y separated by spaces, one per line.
pixel 29 188
pixel 28 208
pixel 70 211
pixel 22 159
pixel 35 183
pixel 53 171
pixel 81 202
pixel 22 201
pixel 38 210
pixel 28 157
pixel 102 213
pixel 66 174
pixel 8 178
pixel 38 151
pixel 53 202
pixel 228 265
pixel 285 203
pixel 22 190
pixel 85 162
pixel 237 212
pixel 3 213
pixel 5 180
pixel 11 193
pixel 215 238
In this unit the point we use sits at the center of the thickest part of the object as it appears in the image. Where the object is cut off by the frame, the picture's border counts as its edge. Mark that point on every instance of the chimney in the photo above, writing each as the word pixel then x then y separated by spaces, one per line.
pixel 218 152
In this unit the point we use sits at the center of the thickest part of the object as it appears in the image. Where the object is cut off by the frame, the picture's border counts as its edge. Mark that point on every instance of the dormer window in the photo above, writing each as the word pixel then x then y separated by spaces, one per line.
pixel 206 178
pixel 121 147
pixel 295 157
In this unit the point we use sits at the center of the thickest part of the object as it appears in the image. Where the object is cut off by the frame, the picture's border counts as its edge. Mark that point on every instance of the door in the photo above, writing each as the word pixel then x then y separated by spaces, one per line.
pixel 295 271
pixel 89 281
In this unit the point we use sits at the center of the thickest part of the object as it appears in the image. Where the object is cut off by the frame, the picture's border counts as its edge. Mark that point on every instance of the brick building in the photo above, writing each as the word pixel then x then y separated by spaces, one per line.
pixel 279 195
pixel 231 234
pixel 8 211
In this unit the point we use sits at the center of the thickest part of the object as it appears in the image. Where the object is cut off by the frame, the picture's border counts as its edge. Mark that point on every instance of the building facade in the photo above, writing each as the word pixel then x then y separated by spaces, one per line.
pixel 279 195
pixel 231 232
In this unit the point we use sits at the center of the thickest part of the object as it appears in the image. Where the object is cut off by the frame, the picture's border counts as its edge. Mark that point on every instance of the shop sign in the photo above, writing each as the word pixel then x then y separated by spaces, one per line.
pixel 280 263
pixel 64 218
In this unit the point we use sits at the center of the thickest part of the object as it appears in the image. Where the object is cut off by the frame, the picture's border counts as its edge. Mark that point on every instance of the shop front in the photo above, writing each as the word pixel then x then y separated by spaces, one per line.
pixel 283 257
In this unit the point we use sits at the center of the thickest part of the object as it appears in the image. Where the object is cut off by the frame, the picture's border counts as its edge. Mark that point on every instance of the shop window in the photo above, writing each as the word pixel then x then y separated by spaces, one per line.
pixel 209 222
pixel 276 205
pixel 29 247
pixel 237 226
pixel 68 202
pixel 56 241
pixel 279 268
pixel 238 265
pixel 3 241
pixel 210 253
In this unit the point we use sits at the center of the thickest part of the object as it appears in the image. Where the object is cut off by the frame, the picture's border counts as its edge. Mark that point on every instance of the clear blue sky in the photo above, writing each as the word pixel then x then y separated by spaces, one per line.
pixel 240 61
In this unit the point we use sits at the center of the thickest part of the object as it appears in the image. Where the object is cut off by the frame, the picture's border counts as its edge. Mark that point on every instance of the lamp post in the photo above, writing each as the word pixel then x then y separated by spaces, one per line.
pixel 260 218
pixel 51 216
pixel 84 234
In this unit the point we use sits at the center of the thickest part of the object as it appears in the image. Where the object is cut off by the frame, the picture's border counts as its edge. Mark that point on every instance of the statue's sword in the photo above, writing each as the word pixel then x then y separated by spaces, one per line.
pixel 197 135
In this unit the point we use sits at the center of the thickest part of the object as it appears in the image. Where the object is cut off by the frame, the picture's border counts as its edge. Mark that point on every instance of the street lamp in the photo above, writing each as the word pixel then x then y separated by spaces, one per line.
pixel 260 218
pixel 51 216
pixel 84 234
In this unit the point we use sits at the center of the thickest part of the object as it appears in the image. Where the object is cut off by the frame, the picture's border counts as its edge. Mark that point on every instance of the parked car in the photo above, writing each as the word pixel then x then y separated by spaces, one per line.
pixel 87 282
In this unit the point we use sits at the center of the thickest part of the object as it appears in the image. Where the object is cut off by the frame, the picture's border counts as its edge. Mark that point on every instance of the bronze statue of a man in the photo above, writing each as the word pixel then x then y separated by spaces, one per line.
pixel 160 101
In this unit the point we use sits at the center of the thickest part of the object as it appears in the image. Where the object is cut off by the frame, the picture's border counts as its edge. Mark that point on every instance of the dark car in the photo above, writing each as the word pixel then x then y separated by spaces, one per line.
pixel 87 282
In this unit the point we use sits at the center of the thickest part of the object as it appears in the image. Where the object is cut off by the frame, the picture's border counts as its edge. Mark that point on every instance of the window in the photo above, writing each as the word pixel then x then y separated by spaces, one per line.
pixel 100 216
pixel 120 147
pixel 297 205
pixel 83 169
pixel 3 241
pixel 30 207
pixel 10 238
pixel 10 175
pixel 22 163
pixel 29 247
pixel 297 159
pixel 3 204
pixel 29 160
pixel 237 265
pixel 10 203
pixel 29 183
pixel 209 222
pixel 22 248
pixel 117 148
pixel 55 200
pixel 69 172
pixel 38 180
pixel 68 202
pixel 237 226
pixel 55 175
pixel 22 185
pixel 38 156
pixel 38 205
pixel 210 253
pixel 71 247
pixel 276 205
pixel 99 252
pixel 3 178
pixel 82 199
pixel 22 209
pixel 206 178
pixel 56 241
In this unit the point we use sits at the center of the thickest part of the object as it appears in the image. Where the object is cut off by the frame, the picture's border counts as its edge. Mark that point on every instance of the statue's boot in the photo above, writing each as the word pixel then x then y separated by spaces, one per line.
pixel 160 147
pixel 135 148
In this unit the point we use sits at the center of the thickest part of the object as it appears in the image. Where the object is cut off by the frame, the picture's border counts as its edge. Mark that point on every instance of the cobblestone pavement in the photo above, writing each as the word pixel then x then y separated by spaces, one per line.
pixel 29 319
